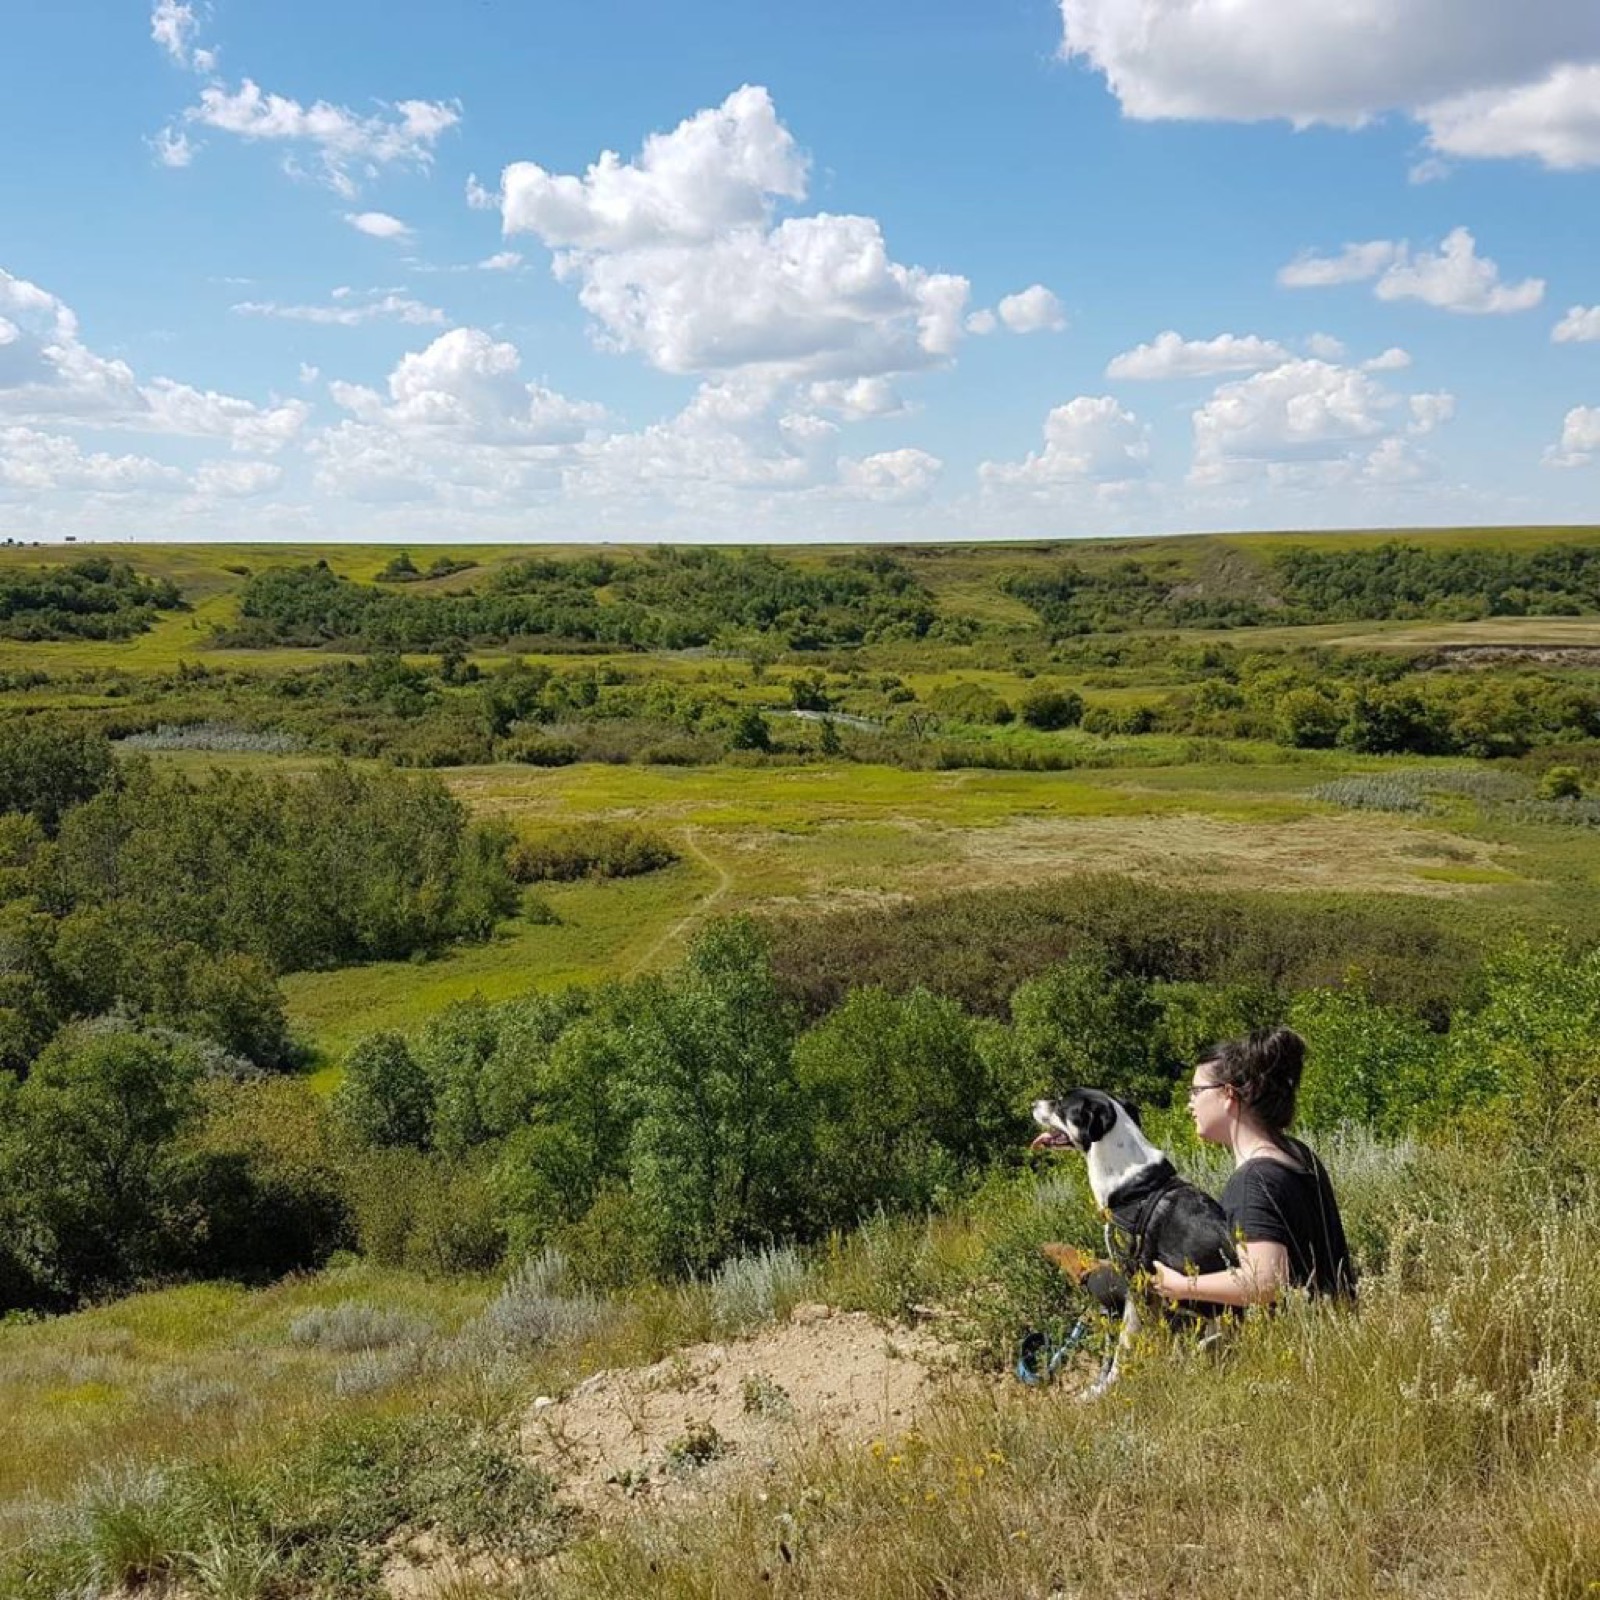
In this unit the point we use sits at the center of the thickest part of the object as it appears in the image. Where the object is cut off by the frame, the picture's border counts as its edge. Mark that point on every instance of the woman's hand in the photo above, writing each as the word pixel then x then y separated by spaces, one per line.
pixel 1168 1283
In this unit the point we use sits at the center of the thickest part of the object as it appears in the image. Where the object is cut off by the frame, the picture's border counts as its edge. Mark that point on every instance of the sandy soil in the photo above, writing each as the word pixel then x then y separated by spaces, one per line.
pixel 679 1429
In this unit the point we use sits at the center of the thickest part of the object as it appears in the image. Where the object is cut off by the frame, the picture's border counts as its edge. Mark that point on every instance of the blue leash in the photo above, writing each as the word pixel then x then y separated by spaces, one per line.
pixel 1037 1362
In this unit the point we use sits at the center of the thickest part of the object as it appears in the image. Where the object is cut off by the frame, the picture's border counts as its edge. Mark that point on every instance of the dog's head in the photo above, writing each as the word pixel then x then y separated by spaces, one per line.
pixel 1081 1118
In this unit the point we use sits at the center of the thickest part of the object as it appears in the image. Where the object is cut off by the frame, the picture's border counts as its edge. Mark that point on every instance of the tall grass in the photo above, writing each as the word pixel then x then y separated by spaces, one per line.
pixel 1439 1442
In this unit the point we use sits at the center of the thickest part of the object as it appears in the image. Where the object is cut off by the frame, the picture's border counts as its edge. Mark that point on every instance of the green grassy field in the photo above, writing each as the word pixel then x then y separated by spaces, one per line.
pixel 816 838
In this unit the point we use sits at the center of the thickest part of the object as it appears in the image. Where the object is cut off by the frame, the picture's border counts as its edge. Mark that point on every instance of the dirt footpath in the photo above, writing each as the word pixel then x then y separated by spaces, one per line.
pixel 678 1429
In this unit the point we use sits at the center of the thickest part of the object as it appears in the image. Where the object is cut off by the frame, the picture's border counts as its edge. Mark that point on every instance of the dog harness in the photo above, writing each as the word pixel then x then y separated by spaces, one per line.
pixel 1137 1208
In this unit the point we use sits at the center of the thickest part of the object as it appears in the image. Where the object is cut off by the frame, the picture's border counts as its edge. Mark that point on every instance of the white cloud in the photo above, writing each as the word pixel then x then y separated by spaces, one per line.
pixel 1556 119
pixel 982 323
pixel 377 224
pixel 1581 325
pixel 857 398
pixel 1428 411
pixel 348 312
pixel 172 148
pixel 37 463
pixel 466 386
pixel 1033 310
pixel 1325 347
pixel 724 444
pixel 1170 355
pixel 504 261
pixel 1485 78
pixel 1580 439
pixel 678 257
pixel 1089 440
pixel 237 480
pixel 892 475
pixel 715 171
pixel 1353 264
pixel 173 27
pixel 1430 169
pixel 1457 279
pixel 178 408
pixel 309 374
pixel 1394 359
pixel 1396 461
pixel 1302 412
pixel 47 374
pixel 341 138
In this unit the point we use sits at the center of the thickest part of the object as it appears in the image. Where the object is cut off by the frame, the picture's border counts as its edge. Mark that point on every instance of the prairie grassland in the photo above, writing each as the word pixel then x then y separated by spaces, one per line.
pixel 818 837
pixel 1528 632
pixel 1439 1443
pixel 201 1370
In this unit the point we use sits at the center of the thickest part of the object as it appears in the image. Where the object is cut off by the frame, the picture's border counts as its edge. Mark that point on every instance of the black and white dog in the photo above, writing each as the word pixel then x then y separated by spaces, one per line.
pixel 1152 1214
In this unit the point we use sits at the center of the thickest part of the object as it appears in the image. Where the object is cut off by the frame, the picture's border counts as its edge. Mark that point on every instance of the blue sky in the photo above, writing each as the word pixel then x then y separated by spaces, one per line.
pixel 891 271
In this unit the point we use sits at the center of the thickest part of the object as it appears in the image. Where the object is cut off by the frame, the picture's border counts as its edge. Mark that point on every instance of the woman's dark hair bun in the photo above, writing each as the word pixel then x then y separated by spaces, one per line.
pixel 1264 1070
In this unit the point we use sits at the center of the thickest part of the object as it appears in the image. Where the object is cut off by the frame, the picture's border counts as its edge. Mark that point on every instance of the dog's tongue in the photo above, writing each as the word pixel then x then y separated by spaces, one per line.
pixel 1049 1140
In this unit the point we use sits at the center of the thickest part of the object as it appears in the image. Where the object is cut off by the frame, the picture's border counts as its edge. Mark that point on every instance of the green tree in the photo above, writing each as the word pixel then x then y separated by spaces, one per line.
pixel 1308 719
pixel 92 1145
pixel 1052 709
pixel 716 1141
pixel 903 1104
pixel 750 731
pixel 1365 1063
pixel 1561 783
pixel 48 764
pixel 1082 1023
pixel 385 1097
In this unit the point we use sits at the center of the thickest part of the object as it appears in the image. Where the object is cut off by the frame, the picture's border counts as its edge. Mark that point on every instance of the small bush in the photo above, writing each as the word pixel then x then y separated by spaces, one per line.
pixel 762 1396
pixel 355 1325
pixel 1561 783
pixel 538 1305
pixel 532 750
pixel 1398 793
pixel 699 1445
pixel 753 1290
pixel 1052 709
pixel 589 850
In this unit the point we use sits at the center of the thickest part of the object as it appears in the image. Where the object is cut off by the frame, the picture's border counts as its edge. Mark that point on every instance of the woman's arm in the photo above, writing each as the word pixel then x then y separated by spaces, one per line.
pixel 1262 1273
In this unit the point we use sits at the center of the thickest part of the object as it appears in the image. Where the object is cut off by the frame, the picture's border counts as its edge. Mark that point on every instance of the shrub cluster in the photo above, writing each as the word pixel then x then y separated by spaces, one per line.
pixel 589 850
pixel 180 901
pixel 670 1125
pixel 670 599
pixel 91 598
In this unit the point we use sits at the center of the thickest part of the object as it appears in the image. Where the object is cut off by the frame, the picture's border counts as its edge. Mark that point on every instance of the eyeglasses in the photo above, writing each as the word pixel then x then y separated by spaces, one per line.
pixel 1200 1088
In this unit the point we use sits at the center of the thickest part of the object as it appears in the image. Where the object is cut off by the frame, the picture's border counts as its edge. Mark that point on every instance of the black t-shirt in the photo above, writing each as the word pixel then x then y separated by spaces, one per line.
pixel 1271 1202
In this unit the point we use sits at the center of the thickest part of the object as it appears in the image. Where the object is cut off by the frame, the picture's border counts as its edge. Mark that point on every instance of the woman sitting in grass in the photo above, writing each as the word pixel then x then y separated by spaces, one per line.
pixel 1279 1201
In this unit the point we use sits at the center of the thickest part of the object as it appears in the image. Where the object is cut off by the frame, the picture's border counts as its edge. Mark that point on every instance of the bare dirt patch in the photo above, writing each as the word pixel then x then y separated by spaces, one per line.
pixel 671 1432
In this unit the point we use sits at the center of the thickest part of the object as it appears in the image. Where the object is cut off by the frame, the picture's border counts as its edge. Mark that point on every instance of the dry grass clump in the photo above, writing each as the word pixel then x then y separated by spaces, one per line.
pixel 356 1325
pixel 1396 792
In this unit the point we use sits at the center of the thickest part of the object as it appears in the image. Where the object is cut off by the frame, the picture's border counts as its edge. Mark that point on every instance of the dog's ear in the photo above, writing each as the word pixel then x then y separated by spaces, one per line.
pixel 1132 1108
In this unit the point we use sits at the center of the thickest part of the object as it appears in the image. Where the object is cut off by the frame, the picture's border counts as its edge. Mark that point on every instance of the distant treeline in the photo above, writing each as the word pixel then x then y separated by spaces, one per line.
pixel 672 599
pixel 94 598
pixel 1390 581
